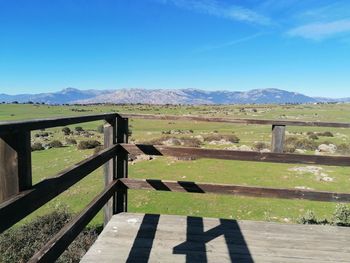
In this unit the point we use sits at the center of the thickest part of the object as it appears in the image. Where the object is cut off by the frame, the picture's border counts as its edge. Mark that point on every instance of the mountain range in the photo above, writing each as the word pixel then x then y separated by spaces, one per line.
pixel 167 96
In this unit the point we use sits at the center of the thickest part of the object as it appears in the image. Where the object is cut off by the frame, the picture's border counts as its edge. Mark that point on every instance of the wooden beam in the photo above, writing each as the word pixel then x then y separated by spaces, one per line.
pixel 36 124
pixel 237 190
pixel 110 135
pixel 277 141
pixel 160 150
pixel 121 201
pixel 57 245
pixel 15 164
pixel 21 205
pixel 238 121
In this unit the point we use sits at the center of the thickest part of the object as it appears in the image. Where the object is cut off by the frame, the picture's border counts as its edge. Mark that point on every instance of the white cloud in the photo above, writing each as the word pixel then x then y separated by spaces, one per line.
pixel 321 30
pixel 213 7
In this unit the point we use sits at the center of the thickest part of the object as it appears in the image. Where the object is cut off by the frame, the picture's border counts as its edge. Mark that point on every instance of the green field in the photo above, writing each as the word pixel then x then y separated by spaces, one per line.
pixel 48 162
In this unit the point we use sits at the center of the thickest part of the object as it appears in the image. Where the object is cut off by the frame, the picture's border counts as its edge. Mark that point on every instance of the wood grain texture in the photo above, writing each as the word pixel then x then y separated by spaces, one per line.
pixel 56 246
pixel 131 237
pixel 277 140
pixel 161 150
pixel 236 190
pixel 21 205
pixel 36 124
pixel 16 166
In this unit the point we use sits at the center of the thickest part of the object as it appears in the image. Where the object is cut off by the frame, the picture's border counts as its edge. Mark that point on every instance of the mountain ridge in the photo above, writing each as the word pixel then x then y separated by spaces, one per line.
pixel 167 96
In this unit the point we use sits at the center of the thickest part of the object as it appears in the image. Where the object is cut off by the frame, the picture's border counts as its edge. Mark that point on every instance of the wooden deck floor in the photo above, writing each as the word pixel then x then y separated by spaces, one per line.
pixel 131 237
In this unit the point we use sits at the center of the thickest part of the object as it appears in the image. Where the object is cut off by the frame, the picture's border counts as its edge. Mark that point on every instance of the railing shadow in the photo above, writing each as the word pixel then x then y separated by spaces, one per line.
pixel 194 248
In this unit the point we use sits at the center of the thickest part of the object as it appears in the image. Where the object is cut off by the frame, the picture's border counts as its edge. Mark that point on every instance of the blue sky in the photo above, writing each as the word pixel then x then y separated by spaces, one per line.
pixel 301 46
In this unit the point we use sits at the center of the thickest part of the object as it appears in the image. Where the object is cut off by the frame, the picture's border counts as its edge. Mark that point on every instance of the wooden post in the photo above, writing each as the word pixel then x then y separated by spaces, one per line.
pixel 122 165
pixel 278 134
pixel 110 172
pixel 15 164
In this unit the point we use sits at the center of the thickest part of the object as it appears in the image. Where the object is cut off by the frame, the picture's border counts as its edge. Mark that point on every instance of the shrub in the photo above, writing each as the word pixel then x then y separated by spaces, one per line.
pixel 37 146
pixel 100 128
pixel 301 143
pixel 341 215
pixel 289 148
pixel 89 144
pixel 71 141
pixel 308 218
pixel 190 142
pixel 343 148
pixel 217 137
pixel 79 129
pixel 41 134
pixel 260 145
pixel 98 149
pixel 55 144
pixel 325 134
pixel 66 130
pixel 313 136
pixel 20 243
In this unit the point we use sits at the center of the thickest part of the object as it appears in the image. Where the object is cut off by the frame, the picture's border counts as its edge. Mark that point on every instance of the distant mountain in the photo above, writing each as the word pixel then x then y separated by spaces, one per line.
pixel 167 96
pixel 68 95
pixel 194 96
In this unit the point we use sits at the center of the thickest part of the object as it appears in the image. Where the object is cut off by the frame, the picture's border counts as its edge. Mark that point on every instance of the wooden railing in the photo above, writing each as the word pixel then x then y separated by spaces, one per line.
pixel 19 197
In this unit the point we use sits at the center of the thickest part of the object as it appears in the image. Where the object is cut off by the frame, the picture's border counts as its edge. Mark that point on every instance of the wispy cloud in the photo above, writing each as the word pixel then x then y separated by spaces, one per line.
pixel 216 8
pixel 321 30
pixel 229 43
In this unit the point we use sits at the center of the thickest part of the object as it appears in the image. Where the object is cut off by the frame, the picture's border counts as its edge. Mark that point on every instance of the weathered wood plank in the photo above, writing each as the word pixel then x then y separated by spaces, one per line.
pixel 160 150
pixel 56 246
pixel 16 166
pixel 131 237
pixel 277 141
pixel 36 124
pixel 237 121
pixel 237 190
pixel 121 200
pixel 110 135
pixel 21 205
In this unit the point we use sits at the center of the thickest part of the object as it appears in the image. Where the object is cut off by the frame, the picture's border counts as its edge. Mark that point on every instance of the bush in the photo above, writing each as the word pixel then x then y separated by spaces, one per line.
pixel 308 218
pixel 100 128
pixel 41 134
pixel 341 215
pixel 37 146
pixel 98 149
pixel 325 134
pixel 313 137
pixel 66 130
pixel 289 148
pixel 79 129
pixel 89 144
pixel 343 148
pixel 55 144
pixel 260 145
pixel 218 137
pixel 71 141
pixel 20 243
pixel 301 143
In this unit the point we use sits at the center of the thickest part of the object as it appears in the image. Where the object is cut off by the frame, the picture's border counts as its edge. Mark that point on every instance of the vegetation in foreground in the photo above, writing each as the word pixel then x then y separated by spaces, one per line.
pixel 19 244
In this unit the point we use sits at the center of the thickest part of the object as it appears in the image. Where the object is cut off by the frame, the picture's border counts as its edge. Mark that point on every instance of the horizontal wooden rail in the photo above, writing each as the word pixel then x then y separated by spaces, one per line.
pixel 160 150
pixel 21 205
pixel 237 190
pixel 56 246
pixel 36 124
pixel 241 121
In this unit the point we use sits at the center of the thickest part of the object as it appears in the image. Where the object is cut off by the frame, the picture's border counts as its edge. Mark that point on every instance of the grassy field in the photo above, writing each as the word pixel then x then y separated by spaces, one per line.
pixel 48 162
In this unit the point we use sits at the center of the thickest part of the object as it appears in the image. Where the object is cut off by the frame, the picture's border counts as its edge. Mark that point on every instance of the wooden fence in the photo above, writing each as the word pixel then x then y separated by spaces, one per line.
pixel 19 197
